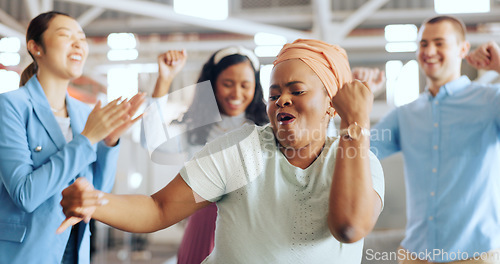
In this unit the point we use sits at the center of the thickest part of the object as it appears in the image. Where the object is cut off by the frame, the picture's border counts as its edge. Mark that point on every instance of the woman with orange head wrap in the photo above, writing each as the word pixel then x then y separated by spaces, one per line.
pixel 328 61
pixel 285 192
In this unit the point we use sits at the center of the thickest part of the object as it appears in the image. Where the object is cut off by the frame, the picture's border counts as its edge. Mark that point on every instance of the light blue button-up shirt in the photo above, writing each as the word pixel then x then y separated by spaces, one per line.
pixel 451 149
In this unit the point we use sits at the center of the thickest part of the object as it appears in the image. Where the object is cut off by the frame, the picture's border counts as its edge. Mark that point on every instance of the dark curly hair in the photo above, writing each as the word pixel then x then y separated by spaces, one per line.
pixel 256 111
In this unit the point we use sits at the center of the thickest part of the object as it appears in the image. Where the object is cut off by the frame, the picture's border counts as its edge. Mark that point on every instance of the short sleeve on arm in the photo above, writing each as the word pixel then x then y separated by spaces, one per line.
pixel 202 175
pixel 377 177
pixel 225 164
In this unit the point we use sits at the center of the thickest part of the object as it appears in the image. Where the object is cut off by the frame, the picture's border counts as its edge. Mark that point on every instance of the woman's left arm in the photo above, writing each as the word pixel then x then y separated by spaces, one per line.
pixel 354 205
pixel 105 167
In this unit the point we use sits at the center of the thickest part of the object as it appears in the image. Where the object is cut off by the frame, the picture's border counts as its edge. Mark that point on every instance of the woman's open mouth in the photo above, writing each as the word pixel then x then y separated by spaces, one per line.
pixel 285 118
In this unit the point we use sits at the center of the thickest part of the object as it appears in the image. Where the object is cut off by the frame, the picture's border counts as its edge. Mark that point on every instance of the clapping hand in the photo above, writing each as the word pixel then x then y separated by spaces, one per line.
pixel 110 121
pixel 135 102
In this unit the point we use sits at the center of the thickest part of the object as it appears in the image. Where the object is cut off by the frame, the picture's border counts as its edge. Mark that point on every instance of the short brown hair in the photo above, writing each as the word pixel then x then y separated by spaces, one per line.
pixel 458 24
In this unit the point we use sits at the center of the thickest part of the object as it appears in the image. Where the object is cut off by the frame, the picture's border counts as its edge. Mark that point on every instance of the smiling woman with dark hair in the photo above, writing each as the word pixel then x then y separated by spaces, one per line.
pixel 233 76
pixel 47 140
pixel 285 192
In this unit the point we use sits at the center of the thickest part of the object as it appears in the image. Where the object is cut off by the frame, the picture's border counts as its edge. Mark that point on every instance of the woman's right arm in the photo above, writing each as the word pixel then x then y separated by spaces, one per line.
pixel 131 213
pixel 170 64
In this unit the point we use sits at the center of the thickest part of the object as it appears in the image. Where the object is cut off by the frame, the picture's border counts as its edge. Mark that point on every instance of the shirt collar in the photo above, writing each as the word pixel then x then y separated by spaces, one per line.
pixel 452 87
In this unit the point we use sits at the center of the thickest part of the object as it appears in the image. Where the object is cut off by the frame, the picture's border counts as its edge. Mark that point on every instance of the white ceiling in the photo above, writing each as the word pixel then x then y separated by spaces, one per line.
pixel 357 25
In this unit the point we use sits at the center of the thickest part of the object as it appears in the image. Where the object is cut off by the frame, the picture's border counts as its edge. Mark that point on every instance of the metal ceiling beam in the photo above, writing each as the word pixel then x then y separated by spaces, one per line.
pixel 46 5
pixel 321 18
pixel 352 44
pixel 303 21
pixel 140 24
pixel 378 42
pixel 156 47
pixel 33 7
pixel 380 18
pixel 90 15
pixel 10 21
pixel 356 18
pixel 165 12
pixel 9 32
pixel 392 16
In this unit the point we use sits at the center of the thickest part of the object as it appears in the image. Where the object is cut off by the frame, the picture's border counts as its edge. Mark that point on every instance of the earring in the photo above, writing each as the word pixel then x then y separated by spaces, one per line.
pixel 330 111
pixel 38 53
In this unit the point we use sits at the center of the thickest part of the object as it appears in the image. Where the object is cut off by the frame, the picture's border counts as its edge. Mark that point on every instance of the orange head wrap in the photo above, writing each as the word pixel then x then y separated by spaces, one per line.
pixel 328 61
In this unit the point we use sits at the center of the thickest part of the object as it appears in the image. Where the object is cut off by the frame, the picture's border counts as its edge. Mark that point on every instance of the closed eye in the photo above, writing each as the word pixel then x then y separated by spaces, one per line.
pixel 274 97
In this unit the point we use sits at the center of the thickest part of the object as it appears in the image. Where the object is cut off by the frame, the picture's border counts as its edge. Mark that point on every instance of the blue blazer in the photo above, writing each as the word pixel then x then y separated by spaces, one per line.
pixel 36 164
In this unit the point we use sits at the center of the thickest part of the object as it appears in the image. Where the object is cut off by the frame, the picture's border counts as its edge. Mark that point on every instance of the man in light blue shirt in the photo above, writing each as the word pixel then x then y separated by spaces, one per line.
pixel 450 140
